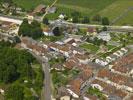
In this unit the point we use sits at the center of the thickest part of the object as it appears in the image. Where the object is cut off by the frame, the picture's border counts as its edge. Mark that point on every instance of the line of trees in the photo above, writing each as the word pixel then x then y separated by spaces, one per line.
pixel 77 18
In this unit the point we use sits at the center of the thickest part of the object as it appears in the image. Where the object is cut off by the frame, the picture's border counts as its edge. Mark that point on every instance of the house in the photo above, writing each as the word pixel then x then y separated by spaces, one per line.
pixel 61 48
pixel 30 16
pixel 70 63
pixel 2 91
pixel 39 9
pixel 90 97
pixel 54 47
pixel 87 72
pixel 104 36
pixel 97 86
pixel 83 59
pixel 32 45
pixel 65 49
pixel 108 89
pixel 101 62
pixel 57 67
pixel 77 50
pixel 124 65
pixel 8 27
pixel 91 31
pixel 61 16
pixel 47 32
pixel 52 9
pixel 74 87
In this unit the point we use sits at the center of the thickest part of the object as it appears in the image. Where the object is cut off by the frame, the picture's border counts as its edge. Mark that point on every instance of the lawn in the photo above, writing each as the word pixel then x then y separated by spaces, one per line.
pixel 90 47
pixel 28 4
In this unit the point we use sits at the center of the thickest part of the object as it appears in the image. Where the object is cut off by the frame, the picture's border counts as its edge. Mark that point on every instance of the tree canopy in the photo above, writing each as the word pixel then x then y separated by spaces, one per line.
pixel 15 92
pixel 56 31
pixel 85 20
pixel 14 64
pixel 32 30
pixel 105 21
pixel 45 21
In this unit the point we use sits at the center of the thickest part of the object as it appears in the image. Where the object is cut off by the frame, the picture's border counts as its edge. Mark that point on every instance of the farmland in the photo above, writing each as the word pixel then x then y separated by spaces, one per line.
pixel 108 8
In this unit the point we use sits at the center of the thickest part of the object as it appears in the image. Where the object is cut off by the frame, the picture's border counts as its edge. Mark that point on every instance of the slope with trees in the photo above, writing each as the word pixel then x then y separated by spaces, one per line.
pixel 16 67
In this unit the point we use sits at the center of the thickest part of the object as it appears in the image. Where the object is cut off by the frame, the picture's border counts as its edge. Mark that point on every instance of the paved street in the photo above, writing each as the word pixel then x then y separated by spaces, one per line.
pixel 47 82
pixel 110 28
pixel 17 21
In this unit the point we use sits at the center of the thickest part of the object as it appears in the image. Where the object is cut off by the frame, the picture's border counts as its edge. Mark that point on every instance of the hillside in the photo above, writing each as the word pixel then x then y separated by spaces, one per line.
pixel 112 9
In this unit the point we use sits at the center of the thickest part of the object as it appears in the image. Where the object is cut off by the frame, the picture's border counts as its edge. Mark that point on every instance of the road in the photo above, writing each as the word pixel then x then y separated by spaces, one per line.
pixel 47 82
pixel 9 19
pixel 110 28
pixel 47 79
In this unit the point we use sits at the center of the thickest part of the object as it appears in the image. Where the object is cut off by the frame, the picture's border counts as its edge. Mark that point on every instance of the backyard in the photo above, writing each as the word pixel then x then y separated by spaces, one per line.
pixel 90 47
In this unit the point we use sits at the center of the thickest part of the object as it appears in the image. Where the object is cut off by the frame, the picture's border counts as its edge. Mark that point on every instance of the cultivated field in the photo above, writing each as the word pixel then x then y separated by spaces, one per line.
pixel 109 8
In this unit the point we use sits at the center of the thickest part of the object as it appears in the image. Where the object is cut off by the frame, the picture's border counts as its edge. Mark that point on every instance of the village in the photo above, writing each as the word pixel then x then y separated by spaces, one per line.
pixel 86 63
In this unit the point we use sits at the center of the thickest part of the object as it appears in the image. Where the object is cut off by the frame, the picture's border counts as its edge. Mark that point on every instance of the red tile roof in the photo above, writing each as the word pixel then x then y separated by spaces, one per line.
pixel 124 65
pixel 75 85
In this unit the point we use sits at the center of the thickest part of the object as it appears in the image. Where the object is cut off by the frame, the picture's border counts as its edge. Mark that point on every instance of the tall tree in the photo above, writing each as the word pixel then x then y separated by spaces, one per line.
pixel 75 19
pixel 32 30
pixel 45 21
pixel 56 31
pixel 85 20
pixel 97 18
pixel 105 21
pixel 15 92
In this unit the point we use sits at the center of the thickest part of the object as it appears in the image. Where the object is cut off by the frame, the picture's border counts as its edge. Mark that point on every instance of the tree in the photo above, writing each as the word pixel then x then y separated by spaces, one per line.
pixel 75 14
pixel 105 21
pixel 85 20
pixel 36 30
pixel 32 30
pixel 56 31
pixel 104 28
pixel 15 92
pixel 45 21
pixel 24 28
pixel 97 18
pixel 75 19
pixel 14 64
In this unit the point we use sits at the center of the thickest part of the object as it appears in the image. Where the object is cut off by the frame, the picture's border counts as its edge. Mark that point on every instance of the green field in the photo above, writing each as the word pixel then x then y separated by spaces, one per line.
pixel 110 8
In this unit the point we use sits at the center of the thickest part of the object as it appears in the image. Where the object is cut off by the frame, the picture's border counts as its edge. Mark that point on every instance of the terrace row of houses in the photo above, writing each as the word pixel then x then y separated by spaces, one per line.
pixel 32 45
pixel 114 86
pixel 124 66
pixel 112 57
pixel 116 81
